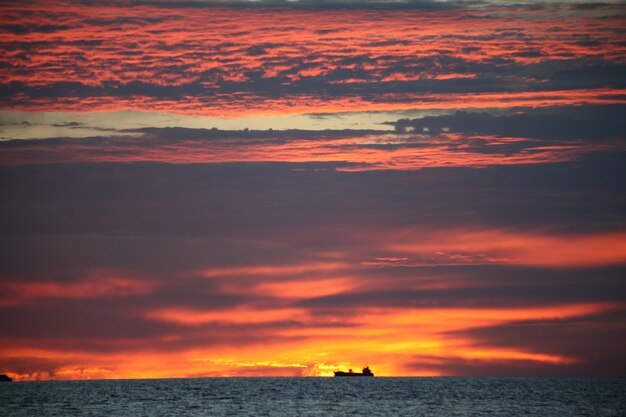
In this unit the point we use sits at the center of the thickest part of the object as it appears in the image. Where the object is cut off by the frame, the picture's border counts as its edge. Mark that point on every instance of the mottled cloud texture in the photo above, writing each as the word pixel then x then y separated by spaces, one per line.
pixel 450 201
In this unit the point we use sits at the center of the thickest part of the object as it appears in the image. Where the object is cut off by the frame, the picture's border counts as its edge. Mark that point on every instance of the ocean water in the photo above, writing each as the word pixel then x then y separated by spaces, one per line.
pixel 282 397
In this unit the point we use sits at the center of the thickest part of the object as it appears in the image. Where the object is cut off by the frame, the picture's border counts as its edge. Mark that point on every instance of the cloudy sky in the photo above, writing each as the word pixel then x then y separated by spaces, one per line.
pixel 214 188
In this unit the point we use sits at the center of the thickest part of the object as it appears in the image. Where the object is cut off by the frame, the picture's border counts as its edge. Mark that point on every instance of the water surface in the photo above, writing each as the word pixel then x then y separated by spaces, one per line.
pixel 287 397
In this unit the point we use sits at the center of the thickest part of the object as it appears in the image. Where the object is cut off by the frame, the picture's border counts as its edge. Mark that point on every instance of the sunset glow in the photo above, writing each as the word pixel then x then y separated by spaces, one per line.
pixel 208 189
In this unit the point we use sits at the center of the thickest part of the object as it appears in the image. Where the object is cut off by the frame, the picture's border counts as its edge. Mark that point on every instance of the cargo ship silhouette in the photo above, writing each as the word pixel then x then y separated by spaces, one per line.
pixel 366 372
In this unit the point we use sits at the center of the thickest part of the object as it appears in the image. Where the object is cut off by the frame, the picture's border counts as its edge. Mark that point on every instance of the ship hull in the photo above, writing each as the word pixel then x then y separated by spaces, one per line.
pixel 352 374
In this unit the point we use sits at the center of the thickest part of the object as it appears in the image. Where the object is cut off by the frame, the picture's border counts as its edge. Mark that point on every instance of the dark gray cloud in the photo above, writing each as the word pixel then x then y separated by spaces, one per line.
pixel 214 199
pixel 603 367
pixel 24 30
pixel 32 365
pixel 591 124
pixel 174 134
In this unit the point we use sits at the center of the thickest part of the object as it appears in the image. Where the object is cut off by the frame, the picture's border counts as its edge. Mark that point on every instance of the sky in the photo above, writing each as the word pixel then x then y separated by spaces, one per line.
pixel 275 188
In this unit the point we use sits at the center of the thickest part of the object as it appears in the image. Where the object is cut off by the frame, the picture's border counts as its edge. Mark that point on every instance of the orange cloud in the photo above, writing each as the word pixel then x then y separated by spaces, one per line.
pixel 306 288
pixel 95 283
pixel 273 270
pixel 383 338
pixel 215 62
pixel 513 247
pixel 411 151
pixel 240 315
pixel 250 105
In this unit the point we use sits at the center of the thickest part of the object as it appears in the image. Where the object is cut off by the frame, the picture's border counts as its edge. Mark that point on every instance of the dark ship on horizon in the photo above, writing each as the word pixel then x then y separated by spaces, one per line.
pixel 366 372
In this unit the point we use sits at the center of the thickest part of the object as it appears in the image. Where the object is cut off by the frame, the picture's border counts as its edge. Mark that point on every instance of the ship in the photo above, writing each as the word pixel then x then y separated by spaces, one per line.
pixel 366 372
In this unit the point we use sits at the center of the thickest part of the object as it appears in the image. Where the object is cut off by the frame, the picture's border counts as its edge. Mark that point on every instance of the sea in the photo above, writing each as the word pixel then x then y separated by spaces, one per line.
pixel 290 397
